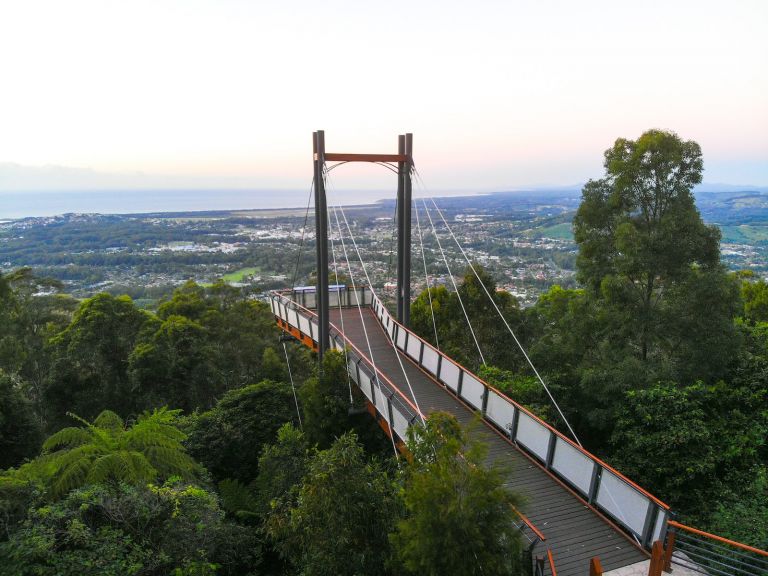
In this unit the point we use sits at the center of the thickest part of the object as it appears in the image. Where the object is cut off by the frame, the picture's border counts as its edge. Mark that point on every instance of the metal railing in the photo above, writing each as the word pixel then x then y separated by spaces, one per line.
pixel 640 513
pixel 637 511
pixel 390 403
pixel 707 553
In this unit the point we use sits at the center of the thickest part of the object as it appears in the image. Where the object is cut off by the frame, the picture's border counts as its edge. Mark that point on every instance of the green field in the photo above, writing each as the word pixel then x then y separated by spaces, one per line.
pixel 239 275
pixel 559 231
pixel 744 234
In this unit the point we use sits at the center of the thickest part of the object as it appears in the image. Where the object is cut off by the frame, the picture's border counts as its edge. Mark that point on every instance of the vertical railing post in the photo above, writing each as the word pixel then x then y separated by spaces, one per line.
pixel 669 549
pixel 657 559
pixel 649 524
pixel 551 449
pixel 513 425
pixel 594 484
pixel 595 568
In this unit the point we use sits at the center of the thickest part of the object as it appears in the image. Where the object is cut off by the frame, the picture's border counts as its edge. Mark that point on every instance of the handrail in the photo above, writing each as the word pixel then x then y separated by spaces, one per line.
pixel 362 356
pixel 528 523
pixel 646 519
pixel 551 562
pixel 534 416
pixel 718 538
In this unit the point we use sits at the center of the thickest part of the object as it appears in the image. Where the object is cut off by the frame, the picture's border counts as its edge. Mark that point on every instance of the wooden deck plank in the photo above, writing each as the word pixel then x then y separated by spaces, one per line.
pixel 574 532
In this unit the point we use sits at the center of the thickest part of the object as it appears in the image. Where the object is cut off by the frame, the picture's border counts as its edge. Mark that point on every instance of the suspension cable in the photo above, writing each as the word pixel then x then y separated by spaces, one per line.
pixel 389 338
pixel 341 313
pixel 303 232
pixel 519 344
pixel 453 281
pixel 426 275
pixel 365 332
pixel 293 387
pixel 509 328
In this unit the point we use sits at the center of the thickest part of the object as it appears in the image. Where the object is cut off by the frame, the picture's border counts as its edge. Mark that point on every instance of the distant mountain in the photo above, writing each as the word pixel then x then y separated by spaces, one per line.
pixel 719 187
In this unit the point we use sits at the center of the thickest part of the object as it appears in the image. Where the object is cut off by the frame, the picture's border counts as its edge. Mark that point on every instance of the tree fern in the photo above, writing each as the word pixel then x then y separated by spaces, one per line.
pixel 105 450
pixel 238 499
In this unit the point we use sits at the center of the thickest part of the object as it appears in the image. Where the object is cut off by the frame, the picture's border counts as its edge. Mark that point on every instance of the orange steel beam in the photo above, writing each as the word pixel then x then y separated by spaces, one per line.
pixel 718 538
pixel 340 157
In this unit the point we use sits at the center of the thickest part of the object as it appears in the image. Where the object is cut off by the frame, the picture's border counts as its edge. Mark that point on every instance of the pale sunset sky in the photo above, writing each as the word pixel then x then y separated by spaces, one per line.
pixel 499 94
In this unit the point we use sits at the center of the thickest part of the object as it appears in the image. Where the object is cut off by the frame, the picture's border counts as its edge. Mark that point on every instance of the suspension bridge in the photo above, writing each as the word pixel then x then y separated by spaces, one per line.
pixel 581 515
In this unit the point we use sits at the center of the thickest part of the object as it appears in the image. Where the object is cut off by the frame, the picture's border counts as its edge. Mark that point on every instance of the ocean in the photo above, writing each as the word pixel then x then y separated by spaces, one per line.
pixel 33 203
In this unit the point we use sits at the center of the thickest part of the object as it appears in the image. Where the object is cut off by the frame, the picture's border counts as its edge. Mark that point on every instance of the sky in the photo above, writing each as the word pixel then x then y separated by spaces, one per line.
pixel 498 94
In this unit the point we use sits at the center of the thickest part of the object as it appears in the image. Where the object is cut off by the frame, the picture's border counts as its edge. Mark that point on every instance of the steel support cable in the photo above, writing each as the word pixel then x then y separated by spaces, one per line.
pixel 426 274
pixel 509 328
pixel 365 331
pixel 389 338
pixel 341 313
pixel 504 320
pixel 303 231
pixel 293 387
pixel 453 281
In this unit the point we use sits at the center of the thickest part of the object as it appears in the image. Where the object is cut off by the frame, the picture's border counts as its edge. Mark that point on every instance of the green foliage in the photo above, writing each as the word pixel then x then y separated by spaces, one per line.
pixel 443 304
pixel 454 336
pixel 339 522
pixel 755 297
pixel 90 373
pixel 458 518
pixel 32 309
pixel 107 451
pixel 176 366
pixel 640 237
pixel 686 444
pixel 325 401
pixel 744 517
pixel 525 390
pixel 239 500
pixel 203 342
pixel 228 439
pixel 20 433
pixel 282 466
pixel 150 531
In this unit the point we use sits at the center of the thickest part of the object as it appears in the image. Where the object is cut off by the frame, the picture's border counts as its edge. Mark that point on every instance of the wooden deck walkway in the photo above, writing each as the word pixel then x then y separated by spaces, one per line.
pixel 574 532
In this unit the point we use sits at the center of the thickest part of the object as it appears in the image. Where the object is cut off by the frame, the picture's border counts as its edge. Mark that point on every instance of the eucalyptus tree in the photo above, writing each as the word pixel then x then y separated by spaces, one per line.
pixel 646 255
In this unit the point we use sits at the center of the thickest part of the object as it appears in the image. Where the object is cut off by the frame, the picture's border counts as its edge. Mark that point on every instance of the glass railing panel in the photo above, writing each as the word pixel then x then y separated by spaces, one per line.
pixel 429 359
pixel 401 333
pixel 472 390
pixel 573 465
pixel 499 410
pixel 533 435
pixel 365 382
pixel 293 318
pixel 449 374
pixel 414 347
pixel 304 325
pixel 381 400
pixel 399 421
pixel 622 501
